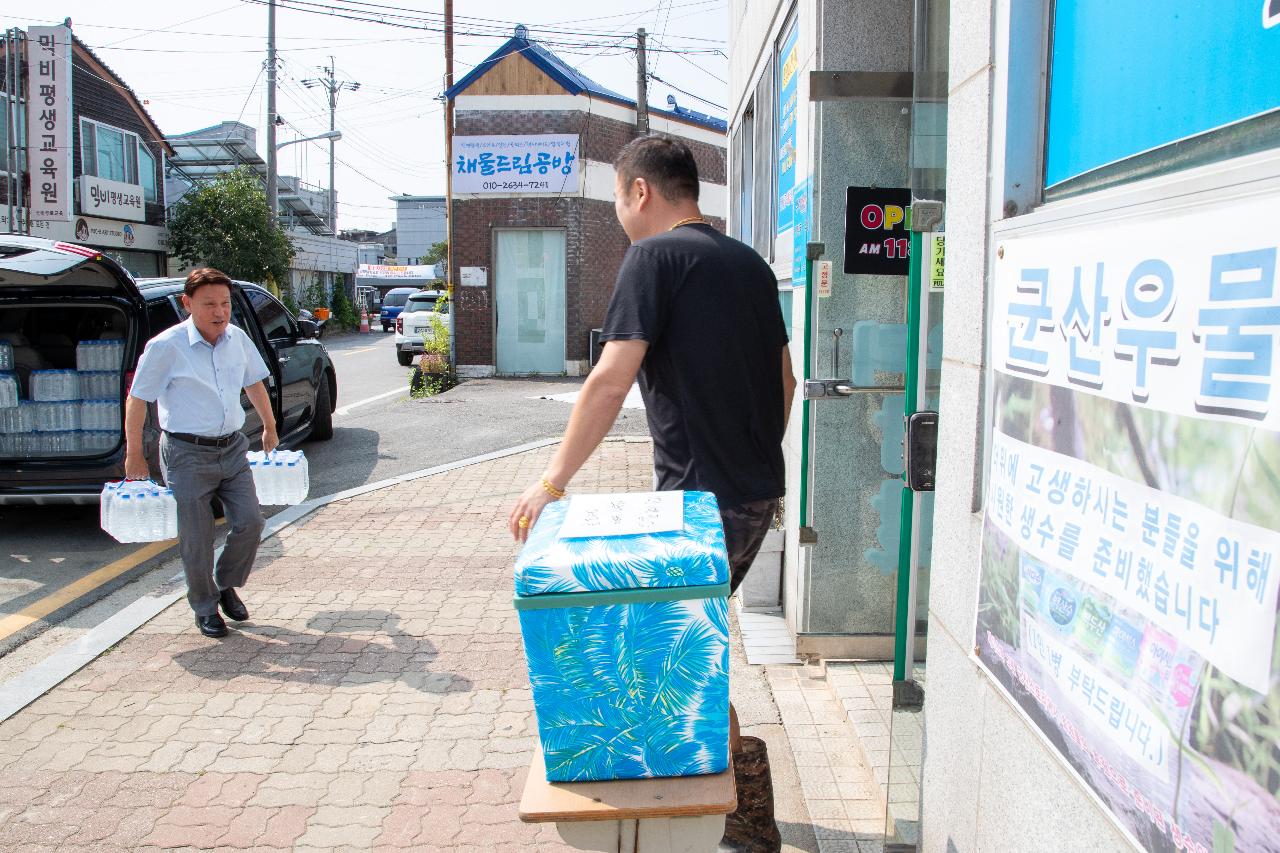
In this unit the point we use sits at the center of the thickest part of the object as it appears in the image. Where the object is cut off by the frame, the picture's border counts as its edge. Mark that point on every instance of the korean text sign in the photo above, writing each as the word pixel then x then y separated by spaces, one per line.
pixel 788 94
pixel 49 122
pixel 1130 565
pixel 513 165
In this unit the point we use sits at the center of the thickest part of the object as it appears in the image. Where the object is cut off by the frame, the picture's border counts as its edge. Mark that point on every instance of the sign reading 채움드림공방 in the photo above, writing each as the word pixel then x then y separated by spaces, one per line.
pixel 49 122
pixel 515 165
pixel 1131 546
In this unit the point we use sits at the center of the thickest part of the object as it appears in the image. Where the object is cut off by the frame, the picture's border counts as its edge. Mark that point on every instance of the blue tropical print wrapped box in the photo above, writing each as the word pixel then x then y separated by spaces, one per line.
pixel 627 641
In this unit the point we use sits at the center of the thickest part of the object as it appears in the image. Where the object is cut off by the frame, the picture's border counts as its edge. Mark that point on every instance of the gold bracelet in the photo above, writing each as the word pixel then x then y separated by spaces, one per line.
pixel 552 490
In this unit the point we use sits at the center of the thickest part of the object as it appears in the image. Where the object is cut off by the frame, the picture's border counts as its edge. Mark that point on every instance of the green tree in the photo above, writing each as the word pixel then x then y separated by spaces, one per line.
pixel 437 253
pixel 225 224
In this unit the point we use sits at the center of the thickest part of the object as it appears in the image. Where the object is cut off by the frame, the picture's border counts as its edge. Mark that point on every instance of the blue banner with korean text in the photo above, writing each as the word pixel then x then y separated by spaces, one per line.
pixel 1130 562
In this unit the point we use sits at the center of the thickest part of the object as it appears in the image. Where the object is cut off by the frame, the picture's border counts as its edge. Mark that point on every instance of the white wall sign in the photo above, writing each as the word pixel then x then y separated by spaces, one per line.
pixel 473 276
pixel 627 514
pixel 49 122
pixel 514 165
pixel 823 276
pixel 112 199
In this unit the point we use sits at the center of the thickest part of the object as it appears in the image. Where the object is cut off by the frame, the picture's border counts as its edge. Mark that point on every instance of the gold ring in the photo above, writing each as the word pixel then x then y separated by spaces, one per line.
pixel 523 522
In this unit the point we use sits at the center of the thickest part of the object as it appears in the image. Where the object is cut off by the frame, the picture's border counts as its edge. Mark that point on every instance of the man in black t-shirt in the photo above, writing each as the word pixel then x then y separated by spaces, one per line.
pixel 695 315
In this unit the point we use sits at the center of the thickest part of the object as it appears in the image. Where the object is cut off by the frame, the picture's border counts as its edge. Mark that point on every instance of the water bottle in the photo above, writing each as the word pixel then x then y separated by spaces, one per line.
pixel 126 522
pixel 6 356
pixel 155 516
pixel 170 515
pixel 110 492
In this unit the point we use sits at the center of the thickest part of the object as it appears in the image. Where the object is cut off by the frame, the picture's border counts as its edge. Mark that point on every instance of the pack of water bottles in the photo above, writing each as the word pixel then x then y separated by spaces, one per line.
pixel 55 385
pixel 6 356
pixel 8 390
pixel 138 511
pixel 280 476
pixel 100 384
pixel 99 355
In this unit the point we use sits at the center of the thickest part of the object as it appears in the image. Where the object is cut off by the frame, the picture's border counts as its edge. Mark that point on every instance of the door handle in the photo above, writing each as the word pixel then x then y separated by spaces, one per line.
pixel 284 358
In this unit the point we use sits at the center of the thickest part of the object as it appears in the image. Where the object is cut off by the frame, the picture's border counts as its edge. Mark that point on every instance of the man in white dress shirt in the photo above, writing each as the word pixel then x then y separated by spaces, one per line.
pixel 195 371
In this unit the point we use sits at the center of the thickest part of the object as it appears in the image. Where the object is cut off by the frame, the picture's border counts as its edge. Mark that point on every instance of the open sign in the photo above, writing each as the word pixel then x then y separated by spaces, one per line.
pixel 876 220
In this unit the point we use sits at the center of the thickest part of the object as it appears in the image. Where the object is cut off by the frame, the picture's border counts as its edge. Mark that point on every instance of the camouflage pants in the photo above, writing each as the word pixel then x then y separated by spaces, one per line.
pixel 745 526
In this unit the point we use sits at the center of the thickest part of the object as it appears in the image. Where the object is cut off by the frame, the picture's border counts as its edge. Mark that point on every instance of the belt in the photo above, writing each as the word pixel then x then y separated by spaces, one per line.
pixel 204 440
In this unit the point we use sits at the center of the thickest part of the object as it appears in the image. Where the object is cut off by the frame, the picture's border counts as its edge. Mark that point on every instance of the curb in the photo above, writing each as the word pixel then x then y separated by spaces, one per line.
pixel 38 679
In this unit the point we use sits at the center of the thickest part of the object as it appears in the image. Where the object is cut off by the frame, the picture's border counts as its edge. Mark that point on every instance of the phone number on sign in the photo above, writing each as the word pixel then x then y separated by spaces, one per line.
pixel 516 185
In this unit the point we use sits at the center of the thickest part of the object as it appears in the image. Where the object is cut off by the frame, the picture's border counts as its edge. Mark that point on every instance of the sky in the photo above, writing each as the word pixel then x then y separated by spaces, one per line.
pixel 199 62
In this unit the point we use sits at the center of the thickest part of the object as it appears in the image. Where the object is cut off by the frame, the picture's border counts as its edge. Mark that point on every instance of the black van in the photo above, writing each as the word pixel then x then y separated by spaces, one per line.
pixel 60 301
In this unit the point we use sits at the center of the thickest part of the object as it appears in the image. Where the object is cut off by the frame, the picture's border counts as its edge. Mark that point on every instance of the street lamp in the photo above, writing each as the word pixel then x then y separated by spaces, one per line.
pixel 335 135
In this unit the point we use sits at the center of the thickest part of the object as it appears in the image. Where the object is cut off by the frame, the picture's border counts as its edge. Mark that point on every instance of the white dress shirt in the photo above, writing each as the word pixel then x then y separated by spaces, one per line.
pixel 197 384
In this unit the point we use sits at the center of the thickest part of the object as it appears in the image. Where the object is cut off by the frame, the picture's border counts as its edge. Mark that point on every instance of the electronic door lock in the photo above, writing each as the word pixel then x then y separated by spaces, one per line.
pixel 920 451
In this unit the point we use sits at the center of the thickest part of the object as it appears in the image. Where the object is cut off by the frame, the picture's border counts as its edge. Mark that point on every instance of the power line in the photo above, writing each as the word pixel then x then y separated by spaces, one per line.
pixel 684 92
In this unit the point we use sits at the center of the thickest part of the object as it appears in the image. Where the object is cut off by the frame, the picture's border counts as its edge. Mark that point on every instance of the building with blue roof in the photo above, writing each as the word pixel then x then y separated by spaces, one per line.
pixel 536 243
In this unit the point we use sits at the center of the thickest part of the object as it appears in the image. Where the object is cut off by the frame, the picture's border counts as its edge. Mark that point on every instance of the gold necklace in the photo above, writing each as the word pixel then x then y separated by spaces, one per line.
pixel 689 221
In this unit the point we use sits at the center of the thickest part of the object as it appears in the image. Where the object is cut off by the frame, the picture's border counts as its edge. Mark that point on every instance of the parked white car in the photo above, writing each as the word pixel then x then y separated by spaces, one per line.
pixel 415 321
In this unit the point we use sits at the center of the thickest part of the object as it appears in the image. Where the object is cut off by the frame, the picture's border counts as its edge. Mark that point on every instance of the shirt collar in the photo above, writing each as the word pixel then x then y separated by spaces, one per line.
pixel 194 337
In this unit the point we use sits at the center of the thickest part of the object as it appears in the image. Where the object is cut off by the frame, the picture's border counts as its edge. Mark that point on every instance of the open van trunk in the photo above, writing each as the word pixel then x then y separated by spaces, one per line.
pixel 68 368
pixel 70 332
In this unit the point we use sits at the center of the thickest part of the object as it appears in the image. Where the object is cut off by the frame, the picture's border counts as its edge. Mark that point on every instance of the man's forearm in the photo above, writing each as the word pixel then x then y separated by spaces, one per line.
pixel 135 415
pixel 257 394
pixel 593 415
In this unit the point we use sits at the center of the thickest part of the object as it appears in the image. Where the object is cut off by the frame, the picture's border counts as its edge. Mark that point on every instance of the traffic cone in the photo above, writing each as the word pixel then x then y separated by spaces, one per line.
pixel 364 321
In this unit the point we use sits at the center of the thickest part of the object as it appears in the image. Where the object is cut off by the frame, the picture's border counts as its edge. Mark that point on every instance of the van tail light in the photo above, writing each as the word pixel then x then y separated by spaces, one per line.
pixel 399 325
pixel 128 382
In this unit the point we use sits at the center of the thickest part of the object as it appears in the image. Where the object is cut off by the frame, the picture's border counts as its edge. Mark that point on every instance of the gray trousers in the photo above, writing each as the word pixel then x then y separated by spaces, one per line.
pixel 196 474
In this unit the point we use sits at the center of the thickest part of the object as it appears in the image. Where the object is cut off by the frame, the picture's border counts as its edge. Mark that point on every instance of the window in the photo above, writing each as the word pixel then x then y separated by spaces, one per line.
pixel 741 179
pixel 271 314
pixel 147 174
pixel 163 313
pixel 764 168
pixel 108 152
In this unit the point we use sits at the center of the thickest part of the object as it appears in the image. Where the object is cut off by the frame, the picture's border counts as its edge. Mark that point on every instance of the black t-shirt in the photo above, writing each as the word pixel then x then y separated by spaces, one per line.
pixel 712 377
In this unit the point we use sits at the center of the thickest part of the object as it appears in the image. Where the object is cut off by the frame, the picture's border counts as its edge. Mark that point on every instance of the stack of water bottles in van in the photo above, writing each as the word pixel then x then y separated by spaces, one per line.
pixel 138 511
pixel 65 412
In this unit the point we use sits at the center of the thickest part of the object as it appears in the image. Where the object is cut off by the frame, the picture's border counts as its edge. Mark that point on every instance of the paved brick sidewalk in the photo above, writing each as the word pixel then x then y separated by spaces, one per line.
pixel 376 700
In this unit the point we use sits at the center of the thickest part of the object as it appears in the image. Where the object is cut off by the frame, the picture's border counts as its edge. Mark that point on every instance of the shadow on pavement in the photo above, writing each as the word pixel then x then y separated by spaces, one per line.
pixel 323 655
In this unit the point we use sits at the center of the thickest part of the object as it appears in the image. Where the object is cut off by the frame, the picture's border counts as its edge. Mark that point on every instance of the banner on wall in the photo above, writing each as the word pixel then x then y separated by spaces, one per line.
pixel 788 95
pixel 1130 562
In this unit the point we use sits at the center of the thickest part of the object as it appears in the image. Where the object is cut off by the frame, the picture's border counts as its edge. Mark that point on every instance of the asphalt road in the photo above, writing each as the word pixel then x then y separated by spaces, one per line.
pixel 55 561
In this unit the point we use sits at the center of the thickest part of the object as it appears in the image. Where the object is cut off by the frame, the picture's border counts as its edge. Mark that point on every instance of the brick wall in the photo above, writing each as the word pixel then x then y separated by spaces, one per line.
pixel 601 138
pixel 594 246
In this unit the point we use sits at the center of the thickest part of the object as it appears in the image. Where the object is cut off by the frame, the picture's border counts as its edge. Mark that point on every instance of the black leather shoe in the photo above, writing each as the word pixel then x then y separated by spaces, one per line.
pixel 232 605
pixel 211 625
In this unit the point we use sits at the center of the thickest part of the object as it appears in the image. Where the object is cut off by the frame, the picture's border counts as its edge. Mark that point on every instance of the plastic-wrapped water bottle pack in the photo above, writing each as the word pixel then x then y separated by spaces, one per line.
pixel 138 511
pixel 55 385
pixel 281 476
pixel 100 414
pixel 8 390
pixel 57 416
pixel 6 356
pixel 99 440
pixel 19 418
pixel 100 384
pixel 99 355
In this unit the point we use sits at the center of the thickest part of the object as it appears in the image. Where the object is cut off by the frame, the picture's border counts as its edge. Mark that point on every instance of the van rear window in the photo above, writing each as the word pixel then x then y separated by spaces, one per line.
pixel 396 300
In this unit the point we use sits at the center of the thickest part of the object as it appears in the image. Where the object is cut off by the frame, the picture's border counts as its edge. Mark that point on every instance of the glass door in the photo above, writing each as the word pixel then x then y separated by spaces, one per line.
pixel 530 284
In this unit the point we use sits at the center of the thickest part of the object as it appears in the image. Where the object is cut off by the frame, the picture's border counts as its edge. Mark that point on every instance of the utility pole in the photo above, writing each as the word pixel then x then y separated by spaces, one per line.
pixel 448 177
pixel 333 86
pixel 642 86
pixel 273 185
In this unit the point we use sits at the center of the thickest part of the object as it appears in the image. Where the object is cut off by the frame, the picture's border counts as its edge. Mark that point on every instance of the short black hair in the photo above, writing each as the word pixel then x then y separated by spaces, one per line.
pixel 666 164
pixel 201 276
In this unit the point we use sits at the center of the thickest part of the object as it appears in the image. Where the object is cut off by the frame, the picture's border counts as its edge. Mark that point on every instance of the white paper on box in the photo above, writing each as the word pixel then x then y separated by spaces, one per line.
pixel 629 514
